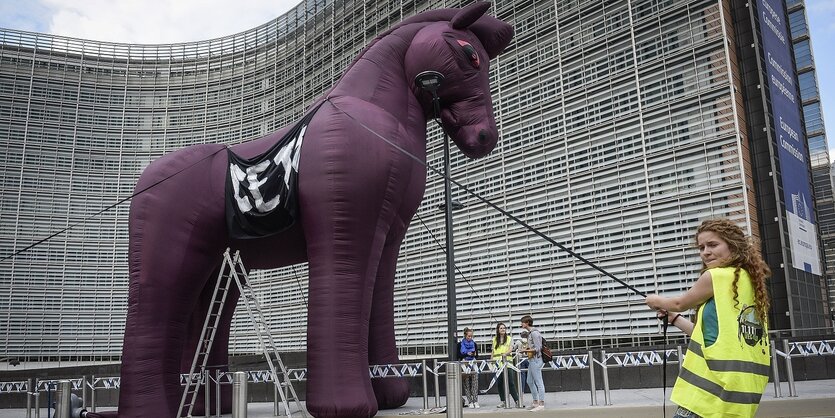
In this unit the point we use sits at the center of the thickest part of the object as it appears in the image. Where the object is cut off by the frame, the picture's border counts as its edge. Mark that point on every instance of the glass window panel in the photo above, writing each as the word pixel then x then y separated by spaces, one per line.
pixel 812 117
pixel 797 23
pixel 808 86
pixel 803 54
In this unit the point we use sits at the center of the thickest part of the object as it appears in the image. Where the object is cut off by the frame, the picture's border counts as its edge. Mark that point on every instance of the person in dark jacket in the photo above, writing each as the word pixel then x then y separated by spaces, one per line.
pixel 470 351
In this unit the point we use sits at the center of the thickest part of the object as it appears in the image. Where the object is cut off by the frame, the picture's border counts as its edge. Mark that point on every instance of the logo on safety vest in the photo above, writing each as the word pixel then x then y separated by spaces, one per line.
pixel 750 328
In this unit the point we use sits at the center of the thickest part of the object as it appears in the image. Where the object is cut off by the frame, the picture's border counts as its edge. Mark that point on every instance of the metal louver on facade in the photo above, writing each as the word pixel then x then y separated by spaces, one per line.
pixel 623 124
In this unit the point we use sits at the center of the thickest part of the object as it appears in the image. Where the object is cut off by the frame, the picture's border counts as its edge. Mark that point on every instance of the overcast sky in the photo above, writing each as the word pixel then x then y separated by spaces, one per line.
pixel 170 21
pixel 140 21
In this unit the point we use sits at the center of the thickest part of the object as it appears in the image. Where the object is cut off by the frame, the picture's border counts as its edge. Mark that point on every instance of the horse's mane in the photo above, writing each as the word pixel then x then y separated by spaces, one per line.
pixel 492 32
pixel 438 15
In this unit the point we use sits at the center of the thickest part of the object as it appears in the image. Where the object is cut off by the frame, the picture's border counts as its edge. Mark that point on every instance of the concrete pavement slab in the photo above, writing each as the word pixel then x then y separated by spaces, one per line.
pixel 814 399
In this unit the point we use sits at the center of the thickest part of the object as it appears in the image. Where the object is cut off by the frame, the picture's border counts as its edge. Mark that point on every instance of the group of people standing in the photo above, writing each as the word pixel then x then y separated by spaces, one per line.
pixel 503 348
pixel 727 364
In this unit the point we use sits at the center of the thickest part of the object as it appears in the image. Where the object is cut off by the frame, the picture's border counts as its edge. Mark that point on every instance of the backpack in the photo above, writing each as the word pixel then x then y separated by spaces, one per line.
pixel 547 357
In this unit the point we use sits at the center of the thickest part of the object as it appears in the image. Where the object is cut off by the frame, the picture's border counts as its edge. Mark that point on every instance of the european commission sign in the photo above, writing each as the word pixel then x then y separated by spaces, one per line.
pixel 791 141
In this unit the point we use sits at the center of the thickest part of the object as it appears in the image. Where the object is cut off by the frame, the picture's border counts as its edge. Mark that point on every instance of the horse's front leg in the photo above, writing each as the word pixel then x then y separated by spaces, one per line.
pixel 338 383
pixel 382 349
pixel 390 392
pixel 340 292
pixel 349 195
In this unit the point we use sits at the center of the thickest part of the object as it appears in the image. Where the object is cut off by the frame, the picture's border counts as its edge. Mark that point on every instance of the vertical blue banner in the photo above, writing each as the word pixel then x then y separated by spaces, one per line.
pixel 791 141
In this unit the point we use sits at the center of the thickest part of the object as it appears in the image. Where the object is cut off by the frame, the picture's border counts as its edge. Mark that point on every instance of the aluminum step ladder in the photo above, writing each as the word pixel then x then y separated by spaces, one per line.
pixel 233 269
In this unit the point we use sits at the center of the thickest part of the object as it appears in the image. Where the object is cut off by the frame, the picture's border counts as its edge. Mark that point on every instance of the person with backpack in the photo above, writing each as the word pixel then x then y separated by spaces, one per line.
pixel 535 364
pixel 469 351
pixel 501 347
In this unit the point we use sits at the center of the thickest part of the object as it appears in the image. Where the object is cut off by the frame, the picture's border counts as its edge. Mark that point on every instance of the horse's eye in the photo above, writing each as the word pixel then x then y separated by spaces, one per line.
pixel 470 52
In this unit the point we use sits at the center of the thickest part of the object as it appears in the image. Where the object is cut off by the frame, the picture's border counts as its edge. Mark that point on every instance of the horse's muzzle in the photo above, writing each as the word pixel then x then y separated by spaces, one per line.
pixel 475 141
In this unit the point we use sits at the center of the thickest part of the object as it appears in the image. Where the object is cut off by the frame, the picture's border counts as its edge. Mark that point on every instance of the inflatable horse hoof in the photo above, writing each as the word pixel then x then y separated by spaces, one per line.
pixel 390 393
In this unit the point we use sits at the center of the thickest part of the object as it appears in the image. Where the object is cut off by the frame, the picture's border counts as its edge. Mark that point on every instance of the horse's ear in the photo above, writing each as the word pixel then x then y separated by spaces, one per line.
pixel 494 34
pixel 468 15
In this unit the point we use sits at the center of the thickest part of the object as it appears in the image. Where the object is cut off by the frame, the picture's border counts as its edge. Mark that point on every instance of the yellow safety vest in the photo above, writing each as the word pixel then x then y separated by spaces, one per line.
pixel 728 378
pixel 498 350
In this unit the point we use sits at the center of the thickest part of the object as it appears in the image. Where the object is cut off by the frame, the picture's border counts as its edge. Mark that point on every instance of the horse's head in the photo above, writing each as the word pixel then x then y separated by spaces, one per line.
pixel 461 49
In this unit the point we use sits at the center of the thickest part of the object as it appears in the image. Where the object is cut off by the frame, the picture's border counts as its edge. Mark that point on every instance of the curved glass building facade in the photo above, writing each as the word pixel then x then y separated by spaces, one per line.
pixel 623 124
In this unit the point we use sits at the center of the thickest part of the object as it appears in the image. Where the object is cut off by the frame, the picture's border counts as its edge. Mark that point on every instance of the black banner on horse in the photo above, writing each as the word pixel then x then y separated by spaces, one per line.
pixel 261 192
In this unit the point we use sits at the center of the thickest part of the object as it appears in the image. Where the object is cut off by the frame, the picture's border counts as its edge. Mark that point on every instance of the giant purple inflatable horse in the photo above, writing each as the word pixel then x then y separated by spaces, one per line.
pixel 356 194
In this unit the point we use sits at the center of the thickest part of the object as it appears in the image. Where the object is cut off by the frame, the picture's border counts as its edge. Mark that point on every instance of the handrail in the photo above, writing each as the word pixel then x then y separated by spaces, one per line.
pixel 641 358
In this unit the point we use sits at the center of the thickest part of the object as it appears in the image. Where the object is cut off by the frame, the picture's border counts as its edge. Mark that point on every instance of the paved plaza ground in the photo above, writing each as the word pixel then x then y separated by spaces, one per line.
pixel 814 399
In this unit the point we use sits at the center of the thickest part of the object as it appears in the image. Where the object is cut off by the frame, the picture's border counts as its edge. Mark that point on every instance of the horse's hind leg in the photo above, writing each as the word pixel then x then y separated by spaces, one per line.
pixel 160 304
pixel 175 244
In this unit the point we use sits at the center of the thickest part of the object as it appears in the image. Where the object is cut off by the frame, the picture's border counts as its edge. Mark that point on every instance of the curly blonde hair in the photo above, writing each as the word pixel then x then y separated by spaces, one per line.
pixel 745 254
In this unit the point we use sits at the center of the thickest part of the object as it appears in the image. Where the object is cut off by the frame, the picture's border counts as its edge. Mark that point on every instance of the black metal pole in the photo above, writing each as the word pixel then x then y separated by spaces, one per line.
pixel 452 317
pixel 452 314
pixel 430 81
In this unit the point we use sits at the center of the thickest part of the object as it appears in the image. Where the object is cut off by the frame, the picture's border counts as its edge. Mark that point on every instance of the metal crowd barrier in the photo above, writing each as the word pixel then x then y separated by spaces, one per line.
pixel 90 385
pixel 796 349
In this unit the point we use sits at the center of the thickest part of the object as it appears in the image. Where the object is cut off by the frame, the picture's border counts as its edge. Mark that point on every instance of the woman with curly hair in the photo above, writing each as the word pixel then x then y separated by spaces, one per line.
pixel 727 363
